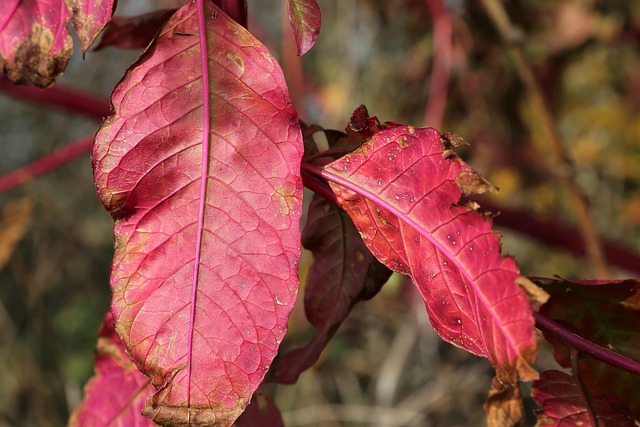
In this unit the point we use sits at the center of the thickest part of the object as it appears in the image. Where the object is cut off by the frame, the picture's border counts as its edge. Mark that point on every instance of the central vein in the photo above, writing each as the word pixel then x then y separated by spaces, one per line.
pixel 204 65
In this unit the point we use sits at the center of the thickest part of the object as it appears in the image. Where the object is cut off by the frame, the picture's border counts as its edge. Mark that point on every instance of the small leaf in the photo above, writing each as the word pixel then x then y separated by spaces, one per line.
pixel 343 273
pixel 207 245
pixel 304 16
pixel 117 392
pixel 89 18
pixel 133 32
pixel 35 44
pixel 564 405
pixel 402 189
pixel 605 312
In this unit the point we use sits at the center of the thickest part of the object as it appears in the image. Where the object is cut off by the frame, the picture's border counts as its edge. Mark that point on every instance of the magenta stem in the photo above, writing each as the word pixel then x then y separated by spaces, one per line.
pixel 585 346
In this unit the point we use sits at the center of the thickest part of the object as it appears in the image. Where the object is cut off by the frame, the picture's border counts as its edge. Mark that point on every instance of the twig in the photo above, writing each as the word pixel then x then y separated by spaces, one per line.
pixel 562 167
pixel 441 69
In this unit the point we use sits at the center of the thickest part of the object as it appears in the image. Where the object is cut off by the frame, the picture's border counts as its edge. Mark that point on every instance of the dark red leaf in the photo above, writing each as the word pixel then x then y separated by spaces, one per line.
pixel 35 44
pixel 261 412
pixel 304 16
pixel 117 392
pixel 606 312
pixel 343 273
pixel 133 32
pixel 401 188
pixel 207 200
pixel 564 405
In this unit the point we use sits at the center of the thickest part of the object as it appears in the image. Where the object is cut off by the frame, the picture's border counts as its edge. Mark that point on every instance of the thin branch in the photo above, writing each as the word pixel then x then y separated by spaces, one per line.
pixel 45 164
pixel 441 69
pixel 562 167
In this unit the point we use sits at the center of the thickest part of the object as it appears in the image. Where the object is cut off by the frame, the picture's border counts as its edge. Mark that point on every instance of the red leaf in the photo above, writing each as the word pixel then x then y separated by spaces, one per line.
pixel 401 188
pixel 205 270
pixel 89 18
pixel 35 44
pixel 606 313
pixel 117 392
pixel 564 405
pixel 343 273
pixel 304 16
pixel 133 32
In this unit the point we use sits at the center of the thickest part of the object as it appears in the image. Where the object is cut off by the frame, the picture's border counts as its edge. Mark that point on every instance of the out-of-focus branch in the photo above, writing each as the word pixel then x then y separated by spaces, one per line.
pixel 561 166
pixel 72 100
pixel 441 69
pixel 46 164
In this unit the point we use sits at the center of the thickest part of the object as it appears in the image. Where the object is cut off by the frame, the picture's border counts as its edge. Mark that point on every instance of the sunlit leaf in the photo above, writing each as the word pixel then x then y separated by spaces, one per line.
pixel 207 228
pixel 304 16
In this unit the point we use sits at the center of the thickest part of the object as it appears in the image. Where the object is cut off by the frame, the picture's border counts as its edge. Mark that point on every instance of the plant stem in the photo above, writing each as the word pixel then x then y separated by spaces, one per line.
pixel 562 167
pixel 585 346
pixel 441 69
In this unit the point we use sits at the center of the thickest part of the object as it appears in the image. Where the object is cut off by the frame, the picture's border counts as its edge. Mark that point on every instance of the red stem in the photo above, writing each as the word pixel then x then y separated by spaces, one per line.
pixel 47 163
pixel 72 100
pixel 441 69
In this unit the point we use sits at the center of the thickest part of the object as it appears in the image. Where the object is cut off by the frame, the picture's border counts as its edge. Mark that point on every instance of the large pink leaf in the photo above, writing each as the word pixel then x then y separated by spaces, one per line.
pixel 565 405
pixel 304 16
pixel 402 189
pixel 35 44
pixel 206 198
pixel 117 392
pixel 343 273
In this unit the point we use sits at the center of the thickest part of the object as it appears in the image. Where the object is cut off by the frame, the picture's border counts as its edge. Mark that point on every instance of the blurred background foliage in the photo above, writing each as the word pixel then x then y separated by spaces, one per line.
pixel 384 366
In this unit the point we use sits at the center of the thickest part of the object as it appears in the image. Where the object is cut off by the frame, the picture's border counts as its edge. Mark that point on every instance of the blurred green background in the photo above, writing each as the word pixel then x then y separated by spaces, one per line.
pixel 385 366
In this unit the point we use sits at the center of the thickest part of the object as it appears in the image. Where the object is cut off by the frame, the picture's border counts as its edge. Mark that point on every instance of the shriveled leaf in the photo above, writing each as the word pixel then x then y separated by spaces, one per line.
pixel 89 18
pixel 503 405
pixel 117 392
pixel 564 404
pixel 402 189
pixel 304 16
pixel 343 273
pixel 35 44
pixel 606 312
pixel 261 412
pixel 133 32
pixel 207 227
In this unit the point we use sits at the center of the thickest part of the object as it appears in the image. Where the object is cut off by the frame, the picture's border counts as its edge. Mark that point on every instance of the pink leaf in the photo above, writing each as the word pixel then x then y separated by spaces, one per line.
pixel 343 273
pixel 304 16
pixel 133 32
pixel 402 189
pixel 89 18
pixel 205 270
pixel 564 404
pixel 35 44
pixel 117 392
